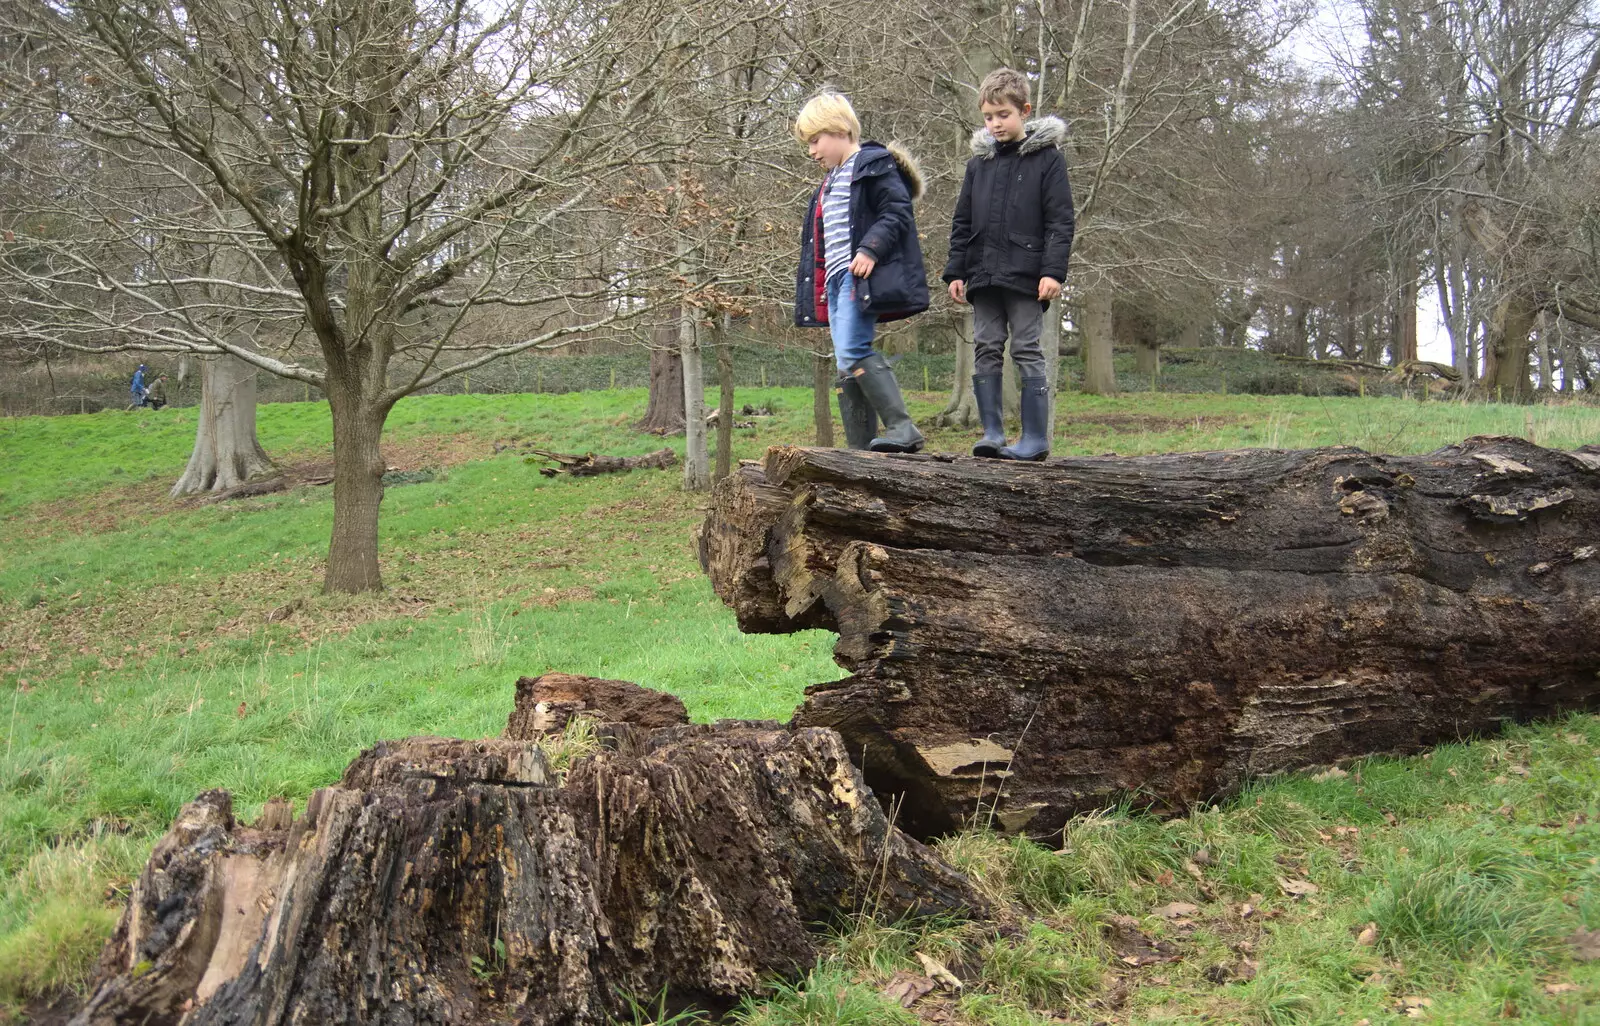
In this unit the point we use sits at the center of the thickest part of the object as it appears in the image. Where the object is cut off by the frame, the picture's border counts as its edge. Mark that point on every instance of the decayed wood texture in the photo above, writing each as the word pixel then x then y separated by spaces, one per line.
pixel 1031 641
pixel 588 464
pixel 459 882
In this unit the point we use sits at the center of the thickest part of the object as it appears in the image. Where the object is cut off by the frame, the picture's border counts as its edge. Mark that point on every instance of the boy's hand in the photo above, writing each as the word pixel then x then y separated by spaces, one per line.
pixel 862 265
pixel 1049 288
pixel 958 291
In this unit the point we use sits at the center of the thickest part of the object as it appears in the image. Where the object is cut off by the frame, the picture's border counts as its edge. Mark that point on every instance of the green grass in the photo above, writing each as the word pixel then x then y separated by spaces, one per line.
pixel 150 650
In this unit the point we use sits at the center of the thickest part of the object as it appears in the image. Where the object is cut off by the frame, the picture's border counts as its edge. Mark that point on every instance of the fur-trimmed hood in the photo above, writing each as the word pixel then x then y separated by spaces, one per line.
pixel 904 162
pixel 1040 134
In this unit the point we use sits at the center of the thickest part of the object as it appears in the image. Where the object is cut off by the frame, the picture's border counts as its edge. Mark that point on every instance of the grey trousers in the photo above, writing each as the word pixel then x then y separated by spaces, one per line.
pixel 995 312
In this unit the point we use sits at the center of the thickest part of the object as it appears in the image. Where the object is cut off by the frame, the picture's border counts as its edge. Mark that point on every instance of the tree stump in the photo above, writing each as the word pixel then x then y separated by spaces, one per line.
pixel 464 882
pixel 1031 641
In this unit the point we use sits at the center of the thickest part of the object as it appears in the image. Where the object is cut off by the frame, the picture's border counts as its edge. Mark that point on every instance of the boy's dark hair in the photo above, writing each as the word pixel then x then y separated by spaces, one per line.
pixel 1004 85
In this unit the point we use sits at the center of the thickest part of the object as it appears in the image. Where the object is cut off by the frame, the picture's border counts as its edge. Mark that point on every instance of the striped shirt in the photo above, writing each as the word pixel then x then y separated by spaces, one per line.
pixel 836 216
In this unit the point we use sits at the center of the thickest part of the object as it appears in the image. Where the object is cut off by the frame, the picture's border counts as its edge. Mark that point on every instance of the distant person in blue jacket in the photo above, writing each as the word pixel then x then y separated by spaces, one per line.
pixel 137 388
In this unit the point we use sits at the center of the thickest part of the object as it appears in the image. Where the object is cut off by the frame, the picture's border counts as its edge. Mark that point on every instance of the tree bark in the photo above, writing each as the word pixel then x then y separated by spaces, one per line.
pixel 226 452
pixel 1407 342
pixel 1146 358
pixel 590 465
pixel 963 405
pixel 1010 391
pixel 724 410
pixel 1031 642
pixel 696 460
pixel 357 492
pixel 822 378
pixel 1547 373
pixel 664 414
pixel 1506 373
pixel 465 882
pixel 1099 376
pixel 1050 345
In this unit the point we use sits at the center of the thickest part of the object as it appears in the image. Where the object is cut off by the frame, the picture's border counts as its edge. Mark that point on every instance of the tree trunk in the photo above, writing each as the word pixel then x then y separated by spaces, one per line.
pixel 1547 372
pixel 1099 376
pixel 664 415
pixel 357 492
pixel 1146 358
pixel 1010 392
pixel 1506 373
pixel 1041 640
pixel 822 378
pixel 724 409
pixel 466 882
pixel 696 460
pixel 226 452
pixel 1407 342
pixel 963 406
pixel 1050 345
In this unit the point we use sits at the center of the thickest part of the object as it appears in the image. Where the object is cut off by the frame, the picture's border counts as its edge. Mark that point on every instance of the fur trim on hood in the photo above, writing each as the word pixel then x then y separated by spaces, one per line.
pixel 908 168
pixel 1042 133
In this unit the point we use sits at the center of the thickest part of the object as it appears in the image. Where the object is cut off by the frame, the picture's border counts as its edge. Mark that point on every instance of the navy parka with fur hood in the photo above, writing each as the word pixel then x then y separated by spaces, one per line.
pixel 1014 220
pixel 886 181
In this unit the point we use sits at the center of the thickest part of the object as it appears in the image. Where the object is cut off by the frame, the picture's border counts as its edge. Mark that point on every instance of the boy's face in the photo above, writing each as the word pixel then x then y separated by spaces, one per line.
pixel 830 149
pixel 1004 119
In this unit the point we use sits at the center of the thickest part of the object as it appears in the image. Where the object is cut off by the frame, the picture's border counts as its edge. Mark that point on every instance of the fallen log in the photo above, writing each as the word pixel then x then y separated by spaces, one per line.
pixel 588 464
pixel 1028 642
pixel 463 882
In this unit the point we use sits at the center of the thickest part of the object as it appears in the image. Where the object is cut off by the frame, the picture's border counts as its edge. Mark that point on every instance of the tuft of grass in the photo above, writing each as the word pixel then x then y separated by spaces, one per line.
pixel 826 996
pixel 60 917
pixel 1465 893
pixel 1043 968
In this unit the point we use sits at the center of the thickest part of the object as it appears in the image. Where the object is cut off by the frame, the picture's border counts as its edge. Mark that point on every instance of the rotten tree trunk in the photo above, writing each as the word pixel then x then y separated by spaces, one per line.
pixel 463 882
pixel 1028 642
pixel 589 465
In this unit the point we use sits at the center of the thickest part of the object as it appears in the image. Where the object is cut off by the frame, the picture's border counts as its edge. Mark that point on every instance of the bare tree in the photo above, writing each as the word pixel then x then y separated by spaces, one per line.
pixel 365 177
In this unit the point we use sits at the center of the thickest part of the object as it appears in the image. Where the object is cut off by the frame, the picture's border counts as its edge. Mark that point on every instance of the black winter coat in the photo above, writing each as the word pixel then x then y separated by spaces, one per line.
pixel 1014 221
pixel 885 182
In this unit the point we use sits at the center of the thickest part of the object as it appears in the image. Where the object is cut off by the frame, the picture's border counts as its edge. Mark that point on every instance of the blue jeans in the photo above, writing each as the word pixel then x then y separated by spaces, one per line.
pixel 851 329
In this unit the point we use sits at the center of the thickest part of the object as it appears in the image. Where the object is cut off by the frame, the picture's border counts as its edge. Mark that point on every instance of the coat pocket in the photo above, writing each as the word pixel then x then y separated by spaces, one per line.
pixel 1027 253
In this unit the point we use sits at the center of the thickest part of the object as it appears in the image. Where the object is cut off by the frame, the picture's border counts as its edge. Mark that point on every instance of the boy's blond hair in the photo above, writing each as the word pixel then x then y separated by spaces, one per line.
pixel 827 112
pixel 1004 85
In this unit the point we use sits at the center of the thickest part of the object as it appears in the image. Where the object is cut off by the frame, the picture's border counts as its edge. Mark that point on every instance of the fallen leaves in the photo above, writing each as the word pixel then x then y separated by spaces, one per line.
pixel 938 973
pixel 1133 946
pixel 1237 972
pixel 1414 1006
pixel 1177 910
pixel 907 988
pixel 1297 888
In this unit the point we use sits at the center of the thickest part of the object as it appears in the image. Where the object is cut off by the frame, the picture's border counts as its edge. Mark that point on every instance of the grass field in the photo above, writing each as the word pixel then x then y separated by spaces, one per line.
pixel 151 649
